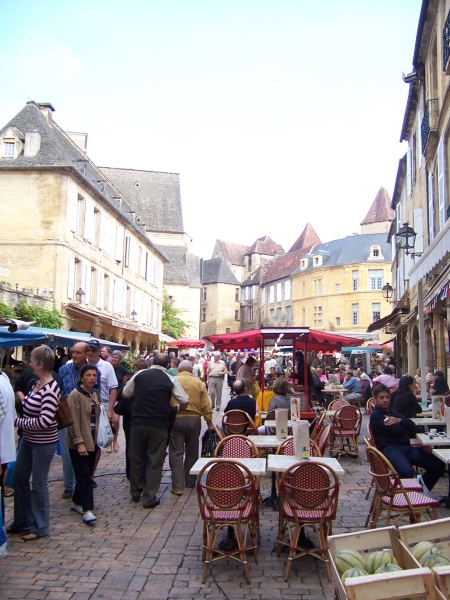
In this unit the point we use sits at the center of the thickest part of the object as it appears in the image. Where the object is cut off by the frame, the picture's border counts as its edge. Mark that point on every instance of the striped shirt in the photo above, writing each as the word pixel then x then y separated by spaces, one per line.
pixel 38 409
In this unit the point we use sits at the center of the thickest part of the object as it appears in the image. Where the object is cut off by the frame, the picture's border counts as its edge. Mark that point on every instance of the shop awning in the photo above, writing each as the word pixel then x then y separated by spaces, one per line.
pixel 10 339
pixel 436 251
pixel 439 290
pixel 188 343
pixel 385 321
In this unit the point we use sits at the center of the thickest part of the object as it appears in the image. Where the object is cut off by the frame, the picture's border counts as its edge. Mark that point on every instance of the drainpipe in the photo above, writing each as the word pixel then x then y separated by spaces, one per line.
pixel 422 348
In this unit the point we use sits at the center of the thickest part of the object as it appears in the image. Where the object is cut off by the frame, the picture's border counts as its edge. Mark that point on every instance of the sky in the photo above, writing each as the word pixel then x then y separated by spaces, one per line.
pixel 275 113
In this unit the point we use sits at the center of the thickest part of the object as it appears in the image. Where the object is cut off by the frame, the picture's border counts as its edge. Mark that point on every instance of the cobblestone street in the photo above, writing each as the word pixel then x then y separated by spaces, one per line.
pixel 137 554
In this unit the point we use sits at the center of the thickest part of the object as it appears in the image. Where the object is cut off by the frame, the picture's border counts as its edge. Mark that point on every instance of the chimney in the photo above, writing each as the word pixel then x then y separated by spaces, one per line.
pixel 46 109
pixel 32 143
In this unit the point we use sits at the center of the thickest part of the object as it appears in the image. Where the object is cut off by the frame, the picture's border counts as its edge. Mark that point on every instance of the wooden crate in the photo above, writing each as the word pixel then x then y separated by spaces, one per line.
pixel 431 531
pixel 413 582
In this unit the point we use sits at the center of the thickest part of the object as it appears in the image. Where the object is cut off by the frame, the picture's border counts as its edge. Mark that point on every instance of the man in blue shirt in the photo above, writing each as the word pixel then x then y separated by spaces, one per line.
pixel 67 378
pixel 353 387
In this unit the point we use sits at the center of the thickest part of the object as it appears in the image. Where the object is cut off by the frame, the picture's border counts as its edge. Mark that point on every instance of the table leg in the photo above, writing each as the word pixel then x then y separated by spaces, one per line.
pixel 272 500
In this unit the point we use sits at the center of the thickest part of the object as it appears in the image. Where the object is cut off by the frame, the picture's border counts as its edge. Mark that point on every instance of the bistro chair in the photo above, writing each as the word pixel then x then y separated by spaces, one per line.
pixel 335 404
pixel 227 499
pixel 322 440
pixel 308 498
pixel 345 428
pixel 318 424
pixel 392 497
pixel 370 405
pixel 287 448
pixel 236 446
pixel 238 422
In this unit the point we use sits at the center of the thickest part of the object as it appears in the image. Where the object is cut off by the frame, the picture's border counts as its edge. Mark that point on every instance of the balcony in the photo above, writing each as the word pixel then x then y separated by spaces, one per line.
pixel 429 127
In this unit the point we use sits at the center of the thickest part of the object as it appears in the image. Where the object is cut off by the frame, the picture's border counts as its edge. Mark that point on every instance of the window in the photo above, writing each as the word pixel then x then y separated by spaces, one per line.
pixel 204 294
pixel 80 214
pixel 303 263
pixel 376 277
pixel 303 290
pixel 251 292
pixel 236 295
pixel 337 288
pixel 127 251
pixel 287 290
pixel 203 315
pixel 97 223
pixel 263 296
pixel 250 314
pixel 430 208
pixel 227 330
pixel 278 292
pixel 272 316
pixel 317 287
pixel 288 315
pixel 303 317
pixel 120 234
pixel 272 294
pixel 376 310
pixel 355 314
pixel 72 278
pixel 279 316
pixel 236 315
pixel 375 252
pixel 338 321
pixel 355 278
pixel 317 261
pixel 249 262
pixel 8 149
pixel 317 317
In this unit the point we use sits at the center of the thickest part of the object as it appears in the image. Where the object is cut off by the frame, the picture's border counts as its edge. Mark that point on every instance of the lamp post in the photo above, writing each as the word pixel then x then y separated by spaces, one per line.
pixel 134 316
pixel 387 291
pixel 406 237
pixel 80 295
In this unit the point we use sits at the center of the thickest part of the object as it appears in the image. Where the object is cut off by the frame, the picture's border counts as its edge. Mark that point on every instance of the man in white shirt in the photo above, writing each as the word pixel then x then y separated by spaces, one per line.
pixel 216 371
pixel 269 362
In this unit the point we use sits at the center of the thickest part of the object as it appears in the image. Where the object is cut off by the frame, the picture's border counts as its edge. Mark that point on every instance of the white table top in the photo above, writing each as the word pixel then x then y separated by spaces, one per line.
pixel 274 423
pixel 257 466
pixel 424 414
pixel 282 462
pixel 443 454
pixel 437 440
pixel 266 441
pixel 428 421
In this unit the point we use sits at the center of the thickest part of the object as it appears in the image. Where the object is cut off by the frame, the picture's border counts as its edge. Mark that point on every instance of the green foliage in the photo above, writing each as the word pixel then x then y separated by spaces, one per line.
pixel 6 312
pixel 42 316
pixel 171 322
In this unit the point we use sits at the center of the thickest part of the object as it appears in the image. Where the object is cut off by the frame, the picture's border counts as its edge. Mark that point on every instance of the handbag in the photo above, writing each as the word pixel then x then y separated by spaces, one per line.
pixel 104 434
pixel 63 416
pixel 209 442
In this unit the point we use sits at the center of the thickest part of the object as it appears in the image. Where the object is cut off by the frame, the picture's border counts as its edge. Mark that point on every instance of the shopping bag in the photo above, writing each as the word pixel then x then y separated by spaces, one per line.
pixel 104 435
pixel 209 442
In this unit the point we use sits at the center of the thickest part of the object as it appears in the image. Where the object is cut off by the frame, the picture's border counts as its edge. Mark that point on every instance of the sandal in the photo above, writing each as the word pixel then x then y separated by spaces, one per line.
pixel 14 529
pixel 116 447
pixel 31 537
pixel 109 449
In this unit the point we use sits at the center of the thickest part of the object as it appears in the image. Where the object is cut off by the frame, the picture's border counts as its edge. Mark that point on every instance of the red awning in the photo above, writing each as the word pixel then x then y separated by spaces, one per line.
pixel 282 336
pixel 187 343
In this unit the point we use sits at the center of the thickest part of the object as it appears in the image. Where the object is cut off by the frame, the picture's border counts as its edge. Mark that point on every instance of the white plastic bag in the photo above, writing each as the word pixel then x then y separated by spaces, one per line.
pixel 105 435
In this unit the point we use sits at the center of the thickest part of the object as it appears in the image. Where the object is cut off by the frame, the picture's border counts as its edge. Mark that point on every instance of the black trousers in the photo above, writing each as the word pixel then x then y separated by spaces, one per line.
pixel 83 467
pixel 126 424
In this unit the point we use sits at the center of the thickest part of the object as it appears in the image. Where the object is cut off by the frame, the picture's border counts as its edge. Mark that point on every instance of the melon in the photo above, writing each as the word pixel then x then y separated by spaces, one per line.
pixel 349 559
pixel 354 572
pixel 378 559
pixel 388 568
pixel 431 560
pixel 422 548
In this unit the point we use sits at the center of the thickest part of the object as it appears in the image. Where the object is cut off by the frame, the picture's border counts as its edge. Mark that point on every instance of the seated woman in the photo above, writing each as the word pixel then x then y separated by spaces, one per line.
pixel 280 400
pixel 405 401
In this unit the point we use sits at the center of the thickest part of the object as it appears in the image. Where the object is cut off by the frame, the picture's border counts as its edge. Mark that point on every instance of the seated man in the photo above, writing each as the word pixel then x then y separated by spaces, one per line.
pixel 318 385
pixel 392 433
pixel 242 400
pixel 353 387
pixel 271 376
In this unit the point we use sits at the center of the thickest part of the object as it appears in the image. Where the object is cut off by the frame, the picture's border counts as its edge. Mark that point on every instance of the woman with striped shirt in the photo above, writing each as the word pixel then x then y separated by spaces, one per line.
pixel 36 450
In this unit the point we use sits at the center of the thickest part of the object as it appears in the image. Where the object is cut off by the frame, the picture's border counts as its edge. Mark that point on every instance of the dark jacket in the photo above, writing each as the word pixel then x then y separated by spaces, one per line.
pixel 244 402
pixel 318 387
pixel 391 435
pixel 407 404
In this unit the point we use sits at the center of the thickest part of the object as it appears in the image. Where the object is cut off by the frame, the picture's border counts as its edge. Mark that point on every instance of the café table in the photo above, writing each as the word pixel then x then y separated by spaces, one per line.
pixel 337 392
pixel 428 421
pixel 436 440
pixel 281 462
pixel 443 454
pixel 271 423
pixel 257 466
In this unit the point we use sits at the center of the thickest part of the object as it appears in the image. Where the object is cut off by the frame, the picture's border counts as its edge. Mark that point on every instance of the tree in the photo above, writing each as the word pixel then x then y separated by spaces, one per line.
pixel 6 312
pixel 41 316
pixel 171 322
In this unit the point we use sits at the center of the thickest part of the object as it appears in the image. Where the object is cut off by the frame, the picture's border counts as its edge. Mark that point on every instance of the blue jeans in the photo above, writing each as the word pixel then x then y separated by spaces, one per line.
pixel 402 457
pixel 68 474
pixel 31 503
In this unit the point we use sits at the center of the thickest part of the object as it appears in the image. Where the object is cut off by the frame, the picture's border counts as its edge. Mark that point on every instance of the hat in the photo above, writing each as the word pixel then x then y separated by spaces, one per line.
pixel 216 353
pixel 94 344
pixel 231 352
pixel 365 377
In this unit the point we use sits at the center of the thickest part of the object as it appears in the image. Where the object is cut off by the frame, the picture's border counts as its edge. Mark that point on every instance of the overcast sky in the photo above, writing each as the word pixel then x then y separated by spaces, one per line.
pixel 275 113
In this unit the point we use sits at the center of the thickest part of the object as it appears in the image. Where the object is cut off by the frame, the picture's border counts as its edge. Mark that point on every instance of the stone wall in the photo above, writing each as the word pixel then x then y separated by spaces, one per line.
pixel 11 296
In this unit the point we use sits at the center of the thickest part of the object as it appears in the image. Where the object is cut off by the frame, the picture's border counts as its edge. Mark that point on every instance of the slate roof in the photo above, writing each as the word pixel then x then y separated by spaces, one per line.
pixel 265 245
pixel 380 210
pixel 308 237
pixel 59 151
pixel 183 267
pixel 216 270
pixel 284 266
pixel 254 279
pixel 233 253
pixel 350 250
pixel 154 195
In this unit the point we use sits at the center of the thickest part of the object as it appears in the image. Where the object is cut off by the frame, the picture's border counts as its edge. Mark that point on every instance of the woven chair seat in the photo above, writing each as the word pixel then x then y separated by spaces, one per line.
pixel 412 485
pixel 337 431
pixel 309 515
pixel 417 500
pixel 226 516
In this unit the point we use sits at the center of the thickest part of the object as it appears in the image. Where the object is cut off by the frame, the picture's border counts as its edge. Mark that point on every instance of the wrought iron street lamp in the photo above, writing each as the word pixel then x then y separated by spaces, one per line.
pixel 387 291
pixel 134 316
pixel 406 237
pixel 80 295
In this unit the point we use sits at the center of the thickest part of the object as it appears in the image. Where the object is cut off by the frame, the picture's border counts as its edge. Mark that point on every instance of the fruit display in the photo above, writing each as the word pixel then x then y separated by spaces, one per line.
pixel 354 572
pixel 349 559
pixel 379 559
pixel 388 568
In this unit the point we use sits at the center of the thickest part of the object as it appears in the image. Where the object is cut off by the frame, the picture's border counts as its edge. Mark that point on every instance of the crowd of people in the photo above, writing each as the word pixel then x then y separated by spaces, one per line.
pixel 162 404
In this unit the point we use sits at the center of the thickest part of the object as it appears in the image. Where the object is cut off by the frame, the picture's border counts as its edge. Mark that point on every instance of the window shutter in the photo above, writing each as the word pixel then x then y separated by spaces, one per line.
pixel 430 207
pixel 138 304
pixel 132 307
pixel 145 307
pixel 74 211
pixel 110 294
pixel 119 242
pixel 408 172
pixel 117 296
pixel 398 210
pixel 83 277
pixel 418 228
pixel 102 238
pixel 89 221
pixel 441 183
pixel 127 251
pixel 71 278
pixel 100 288
pixel 87 298
pixel 419 137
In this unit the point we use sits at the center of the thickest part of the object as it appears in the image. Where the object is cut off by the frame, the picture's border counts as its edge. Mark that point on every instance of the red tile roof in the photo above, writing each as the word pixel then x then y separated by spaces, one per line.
pixel 285 265
pixel 233 253
pixel 265 245
pixel 380 209
pixel 308 237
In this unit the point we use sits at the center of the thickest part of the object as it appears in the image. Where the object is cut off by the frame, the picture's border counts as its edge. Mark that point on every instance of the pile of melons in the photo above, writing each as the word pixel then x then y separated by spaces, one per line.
pixel 429 555
pixel 351 563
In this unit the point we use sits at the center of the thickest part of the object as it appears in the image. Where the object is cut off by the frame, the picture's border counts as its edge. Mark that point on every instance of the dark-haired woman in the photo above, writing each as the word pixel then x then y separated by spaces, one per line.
pixel 84 404
pixel 406 402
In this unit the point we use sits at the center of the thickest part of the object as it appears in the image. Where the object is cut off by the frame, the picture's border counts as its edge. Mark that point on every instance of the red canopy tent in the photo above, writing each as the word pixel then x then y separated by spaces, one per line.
pixel 300 338
pixel 188 343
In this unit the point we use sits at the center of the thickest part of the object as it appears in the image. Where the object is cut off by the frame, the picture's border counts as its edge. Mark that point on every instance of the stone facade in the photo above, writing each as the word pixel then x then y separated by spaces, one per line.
pixel 220 308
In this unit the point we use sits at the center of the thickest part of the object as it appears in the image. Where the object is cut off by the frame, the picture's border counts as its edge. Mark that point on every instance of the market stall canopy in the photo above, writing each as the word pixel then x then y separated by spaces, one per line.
pixel 10 339
pixel 282 336
pixel 15 324
pixel 51 337
pixel 188 343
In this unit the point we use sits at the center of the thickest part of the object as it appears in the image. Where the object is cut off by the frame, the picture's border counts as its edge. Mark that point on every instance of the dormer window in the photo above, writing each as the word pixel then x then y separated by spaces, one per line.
pixel 11 143
pixel 8 149
pixel 317 261
pixel 303 263
pixel 375 253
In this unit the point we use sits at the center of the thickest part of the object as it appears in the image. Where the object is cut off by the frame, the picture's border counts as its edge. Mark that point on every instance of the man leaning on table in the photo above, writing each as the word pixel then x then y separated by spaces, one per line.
pixel 392 432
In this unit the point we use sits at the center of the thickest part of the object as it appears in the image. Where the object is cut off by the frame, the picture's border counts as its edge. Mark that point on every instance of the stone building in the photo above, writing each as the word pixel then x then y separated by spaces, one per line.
pixel 68 228
pixel 220 300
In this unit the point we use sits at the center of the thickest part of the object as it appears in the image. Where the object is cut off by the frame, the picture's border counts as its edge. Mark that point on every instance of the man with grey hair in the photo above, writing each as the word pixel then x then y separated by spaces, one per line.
pixel 184 437
pixel 216 371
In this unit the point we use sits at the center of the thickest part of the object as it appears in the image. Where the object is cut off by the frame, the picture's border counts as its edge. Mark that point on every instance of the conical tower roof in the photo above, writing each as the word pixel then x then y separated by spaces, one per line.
pixel 380 210
pixel 308 237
